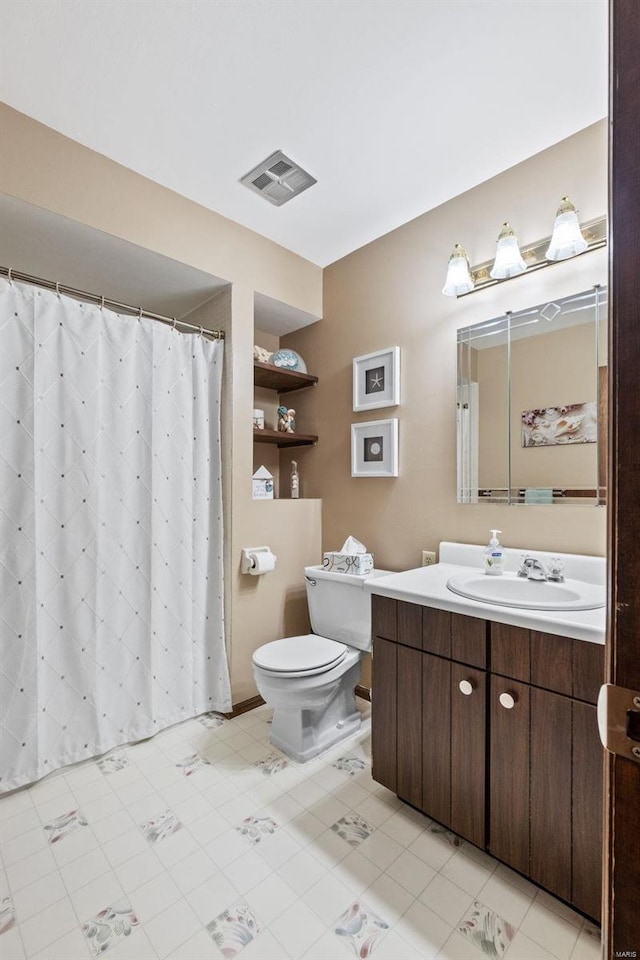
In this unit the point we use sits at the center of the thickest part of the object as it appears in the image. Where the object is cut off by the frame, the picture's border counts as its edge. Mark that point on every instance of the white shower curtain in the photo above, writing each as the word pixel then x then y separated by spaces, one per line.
pixel 111 577
pixel 467 443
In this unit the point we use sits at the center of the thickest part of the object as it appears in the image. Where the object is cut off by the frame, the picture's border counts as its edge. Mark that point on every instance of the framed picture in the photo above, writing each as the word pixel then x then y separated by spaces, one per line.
pixel 374 448
pixel 376 379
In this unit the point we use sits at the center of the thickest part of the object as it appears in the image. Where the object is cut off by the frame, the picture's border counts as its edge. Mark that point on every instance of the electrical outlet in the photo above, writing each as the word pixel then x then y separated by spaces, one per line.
pixel 428 557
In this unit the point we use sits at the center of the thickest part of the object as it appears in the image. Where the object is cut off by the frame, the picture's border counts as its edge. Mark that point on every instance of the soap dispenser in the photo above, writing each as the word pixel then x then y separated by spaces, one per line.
pixel 493 556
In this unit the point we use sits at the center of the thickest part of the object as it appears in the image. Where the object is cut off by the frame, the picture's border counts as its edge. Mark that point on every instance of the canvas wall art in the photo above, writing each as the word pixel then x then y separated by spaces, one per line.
pixel 551 426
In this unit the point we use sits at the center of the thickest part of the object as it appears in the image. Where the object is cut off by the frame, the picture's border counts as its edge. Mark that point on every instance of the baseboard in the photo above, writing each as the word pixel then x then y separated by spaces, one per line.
pixel 363 692
pixel 244 706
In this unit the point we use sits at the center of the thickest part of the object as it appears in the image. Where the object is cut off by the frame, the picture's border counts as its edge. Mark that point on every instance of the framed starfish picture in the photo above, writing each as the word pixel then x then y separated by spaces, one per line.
pixel 376 379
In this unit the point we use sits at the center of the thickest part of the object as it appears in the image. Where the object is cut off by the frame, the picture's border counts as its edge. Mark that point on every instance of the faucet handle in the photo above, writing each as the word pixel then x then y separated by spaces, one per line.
pixel 556 569
pixel 524 564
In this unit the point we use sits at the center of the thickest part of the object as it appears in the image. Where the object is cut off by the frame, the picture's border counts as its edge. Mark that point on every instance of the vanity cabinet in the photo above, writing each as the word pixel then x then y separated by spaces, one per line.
pixel 491 730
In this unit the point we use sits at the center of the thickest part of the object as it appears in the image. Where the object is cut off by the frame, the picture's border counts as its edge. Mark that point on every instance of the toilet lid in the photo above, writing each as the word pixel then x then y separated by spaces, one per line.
pixel 296 655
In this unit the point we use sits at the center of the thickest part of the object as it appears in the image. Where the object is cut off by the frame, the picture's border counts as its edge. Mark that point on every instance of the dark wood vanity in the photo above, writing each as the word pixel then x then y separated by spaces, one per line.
pixel 491 730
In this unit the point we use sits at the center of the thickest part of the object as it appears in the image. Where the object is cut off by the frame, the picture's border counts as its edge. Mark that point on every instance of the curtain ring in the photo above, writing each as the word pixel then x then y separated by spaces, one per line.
pixel 139 313
pixel 102 302
pixel 173 324
pixel 9 277
pixel 202 331
pixel 57 289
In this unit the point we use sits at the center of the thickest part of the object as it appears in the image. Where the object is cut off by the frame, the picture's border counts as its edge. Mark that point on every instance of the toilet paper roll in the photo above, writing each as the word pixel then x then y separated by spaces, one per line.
pixel 262 563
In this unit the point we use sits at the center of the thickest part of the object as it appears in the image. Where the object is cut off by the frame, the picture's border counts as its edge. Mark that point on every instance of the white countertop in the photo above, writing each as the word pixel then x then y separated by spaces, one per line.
pixel 427 586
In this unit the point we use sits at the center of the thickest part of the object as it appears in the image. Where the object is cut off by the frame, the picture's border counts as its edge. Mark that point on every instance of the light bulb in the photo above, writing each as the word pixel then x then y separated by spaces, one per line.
pixel 459 279
pixel 508 262
pixel 566 240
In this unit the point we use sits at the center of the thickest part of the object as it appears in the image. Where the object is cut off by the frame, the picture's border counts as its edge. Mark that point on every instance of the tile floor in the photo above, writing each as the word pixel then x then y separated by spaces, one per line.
pixel 205 842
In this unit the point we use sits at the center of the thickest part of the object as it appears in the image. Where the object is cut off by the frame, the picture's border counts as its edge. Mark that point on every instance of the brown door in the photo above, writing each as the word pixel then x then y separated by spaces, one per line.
pixel 621 906
pixel 586 811
pixel 550 792
pixel 468 749
pixel 436 742
pixel 509 712
pixel 409 760
pixel 384 681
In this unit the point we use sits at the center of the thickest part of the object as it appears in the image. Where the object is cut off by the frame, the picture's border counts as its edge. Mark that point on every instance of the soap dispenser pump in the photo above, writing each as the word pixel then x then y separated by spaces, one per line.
pixel 493 556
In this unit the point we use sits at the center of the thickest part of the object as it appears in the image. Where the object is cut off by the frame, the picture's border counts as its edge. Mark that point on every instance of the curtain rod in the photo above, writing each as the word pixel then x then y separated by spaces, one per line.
pixel 12 274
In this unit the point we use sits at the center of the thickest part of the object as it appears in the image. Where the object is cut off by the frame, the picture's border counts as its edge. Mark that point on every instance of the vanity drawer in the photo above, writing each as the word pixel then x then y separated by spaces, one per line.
pixel 574 668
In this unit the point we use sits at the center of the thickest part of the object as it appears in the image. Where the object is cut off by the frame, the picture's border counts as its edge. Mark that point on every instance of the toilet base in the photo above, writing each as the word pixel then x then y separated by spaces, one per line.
pixel 304 734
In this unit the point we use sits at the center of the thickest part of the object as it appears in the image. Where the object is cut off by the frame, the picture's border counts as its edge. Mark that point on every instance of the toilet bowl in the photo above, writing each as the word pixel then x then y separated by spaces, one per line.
pixel 310 680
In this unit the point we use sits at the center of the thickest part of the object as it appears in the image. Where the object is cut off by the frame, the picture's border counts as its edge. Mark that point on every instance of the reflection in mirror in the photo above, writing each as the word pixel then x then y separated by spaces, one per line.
pixel 531 404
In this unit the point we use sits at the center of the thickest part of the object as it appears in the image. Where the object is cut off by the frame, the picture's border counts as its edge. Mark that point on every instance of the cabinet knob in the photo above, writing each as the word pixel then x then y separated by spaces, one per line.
pixel 466 687
pixel 507 700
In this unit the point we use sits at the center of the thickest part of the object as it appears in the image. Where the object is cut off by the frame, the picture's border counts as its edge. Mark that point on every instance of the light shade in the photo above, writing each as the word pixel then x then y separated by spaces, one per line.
pixel 508 262
pixel 566 240
pixel 459 279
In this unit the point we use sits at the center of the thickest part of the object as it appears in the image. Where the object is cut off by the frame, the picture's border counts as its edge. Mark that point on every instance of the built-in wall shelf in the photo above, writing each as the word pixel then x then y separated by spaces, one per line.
pixel 280 379
pixel 283 439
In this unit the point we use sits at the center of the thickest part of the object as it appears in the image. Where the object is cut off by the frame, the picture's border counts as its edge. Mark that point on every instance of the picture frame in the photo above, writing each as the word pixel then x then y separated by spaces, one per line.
pixel 376 379
pixel 374 448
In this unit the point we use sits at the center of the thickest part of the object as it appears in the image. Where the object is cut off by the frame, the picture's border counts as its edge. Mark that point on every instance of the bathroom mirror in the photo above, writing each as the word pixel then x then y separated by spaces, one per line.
pixel 531 404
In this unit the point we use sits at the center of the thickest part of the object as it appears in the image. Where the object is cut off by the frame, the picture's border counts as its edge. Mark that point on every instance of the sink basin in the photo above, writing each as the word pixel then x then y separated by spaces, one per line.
pixel 509 590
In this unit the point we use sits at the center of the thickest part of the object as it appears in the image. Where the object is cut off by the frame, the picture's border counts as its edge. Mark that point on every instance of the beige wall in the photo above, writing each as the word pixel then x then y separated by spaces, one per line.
pixel 41 167
pixel 389 292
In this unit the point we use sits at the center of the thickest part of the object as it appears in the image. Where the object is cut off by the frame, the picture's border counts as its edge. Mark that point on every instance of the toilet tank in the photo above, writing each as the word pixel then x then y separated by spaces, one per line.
pixel 339 606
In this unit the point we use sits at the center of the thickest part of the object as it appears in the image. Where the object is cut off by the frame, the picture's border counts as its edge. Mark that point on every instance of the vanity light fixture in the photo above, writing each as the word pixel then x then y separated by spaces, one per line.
pixel 459 279
pixel 508 262
pixel 567 239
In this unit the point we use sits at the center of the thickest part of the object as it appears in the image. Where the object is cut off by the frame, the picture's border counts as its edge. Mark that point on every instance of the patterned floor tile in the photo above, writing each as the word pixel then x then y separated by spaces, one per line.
pixel 109 927
pixel 361 927
pixel 114 762
pixel 486 930
pixel 62 826
pixel 7 915
pixel 209 814
pixel 161 827
pixel 271 764
pixel 212 721
pixel 349 765
pixel 255 829
pixel 353 828
pixel 189 765
pixel 234 929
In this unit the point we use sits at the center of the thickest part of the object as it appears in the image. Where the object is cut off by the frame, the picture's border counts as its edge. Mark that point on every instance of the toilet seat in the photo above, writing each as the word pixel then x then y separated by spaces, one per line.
pixel 302 656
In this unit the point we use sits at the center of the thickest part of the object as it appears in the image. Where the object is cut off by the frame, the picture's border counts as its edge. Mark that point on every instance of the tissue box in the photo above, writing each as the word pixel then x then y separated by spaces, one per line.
pixel 359 563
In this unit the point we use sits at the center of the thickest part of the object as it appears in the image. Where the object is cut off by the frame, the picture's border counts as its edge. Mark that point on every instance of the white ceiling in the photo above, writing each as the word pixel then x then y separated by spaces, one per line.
pixel 395 106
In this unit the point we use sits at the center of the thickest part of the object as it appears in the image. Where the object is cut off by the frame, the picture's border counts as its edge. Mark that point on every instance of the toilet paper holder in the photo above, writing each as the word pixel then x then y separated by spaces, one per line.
pixel 248 562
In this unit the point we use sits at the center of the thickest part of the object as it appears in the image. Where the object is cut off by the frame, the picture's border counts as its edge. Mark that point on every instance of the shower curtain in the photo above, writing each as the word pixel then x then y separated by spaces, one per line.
pixel 467 443
pixel 111 576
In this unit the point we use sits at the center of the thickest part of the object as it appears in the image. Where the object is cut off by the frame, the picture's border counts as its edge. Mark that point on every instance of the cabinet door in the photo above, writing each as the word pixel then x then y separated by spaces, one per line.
pixel 586 821
pixel 550 809
pixel 409 712
pixel 384 682
pixel 468 747
pixel 436 742
pixel 509 773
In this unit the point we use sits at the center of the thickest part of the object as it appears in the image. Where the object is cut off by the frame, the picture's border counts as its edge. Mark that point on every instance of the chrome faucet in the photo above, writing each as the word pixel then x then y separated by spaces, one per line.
pixel 532 569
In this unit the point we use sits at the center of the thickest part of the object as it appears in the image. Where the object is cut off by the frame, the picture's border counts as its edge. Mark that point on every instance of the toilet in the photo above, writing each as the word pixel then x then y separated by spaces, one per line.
pixel 310 680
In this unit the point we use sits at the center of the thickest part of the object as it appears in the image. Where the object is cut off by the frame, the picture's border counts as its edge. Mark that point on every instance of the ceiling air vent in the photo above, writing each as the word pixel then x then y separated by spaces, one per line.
pixel 278 179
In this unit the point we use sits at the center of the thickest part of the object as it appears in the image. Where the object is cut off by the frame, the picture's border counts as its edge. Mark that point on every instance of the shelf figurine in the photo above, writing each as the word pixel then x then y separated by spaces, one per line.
pixel 286 420
pixel 295 481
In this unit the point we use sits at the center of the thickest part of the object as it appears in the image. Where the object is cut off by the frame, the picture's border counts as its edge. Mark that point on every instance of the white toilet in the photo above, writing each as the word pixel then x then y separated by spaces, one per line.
pixel 310 680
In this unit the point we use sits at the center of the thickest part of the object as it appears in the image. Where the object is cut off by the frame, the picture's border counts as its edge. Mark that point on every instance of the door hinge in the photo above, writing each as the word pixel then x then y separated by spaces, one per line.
pixel 619 721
